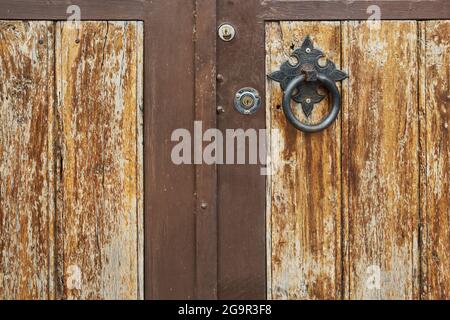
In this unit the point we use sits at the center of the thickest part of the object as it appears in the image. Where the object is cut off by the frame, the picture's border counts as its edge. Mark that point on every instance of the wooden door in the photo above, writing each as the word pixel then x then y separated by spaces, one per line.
pixel 361 210
pixel 359 203
pixel 71 160
pixel 74 141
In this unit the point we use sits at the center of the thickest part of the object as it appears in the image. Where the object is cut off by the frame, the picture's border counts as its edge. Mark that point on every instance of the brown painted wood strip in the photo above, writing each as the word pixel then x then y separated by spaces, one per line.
pixel 206 174
pixel 98 212
pixel 305 187
pixel 26 187
pixel 170 246
pixel 352 9
pixel 241 188
pixel 266 10
pixel 57 10
pixel 380 160
pixel 435 199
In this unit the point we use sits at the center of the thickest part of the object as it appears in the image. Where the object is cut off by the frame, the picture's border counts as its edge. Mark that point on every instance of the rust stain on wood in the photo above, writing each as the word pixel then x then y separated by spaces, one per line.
pixel 435 158
pixel 392 240
pixel 71 160
pixel 304 206
pixel 380 160
pixel 140 155
pixel 100 205
pixel 26 196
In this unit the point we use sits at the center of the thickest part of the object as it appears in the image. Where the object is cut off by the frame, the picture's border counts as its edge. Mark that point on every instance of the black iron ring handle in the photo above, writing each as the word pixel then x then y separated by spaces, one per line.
pixel 329 119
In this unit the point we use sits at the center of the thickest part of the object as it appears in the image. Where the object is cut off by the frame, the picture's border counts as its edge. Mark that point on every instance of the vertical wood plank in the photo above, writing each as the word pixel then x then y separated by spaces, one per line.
pixel 304 193
pixel 96 72
pixel 26 188
pixel 435 155
pixel 140 154
pixel 206 174
pixel 241 188
pixel 170 249
pixel 380 160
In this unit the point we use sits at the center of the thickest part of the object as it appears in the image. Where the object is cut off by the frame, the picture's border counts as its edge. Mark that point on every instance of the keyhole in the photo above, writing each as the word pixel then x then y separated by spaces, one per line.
pixel 247 101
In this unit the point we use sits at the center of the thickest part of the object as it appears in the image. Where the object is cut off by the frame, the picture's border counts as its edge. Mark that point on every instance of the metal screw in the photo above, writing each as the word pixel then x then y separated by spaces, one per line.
pixel 308 100
pixel 220 110
pixel 41 41
pixel 204 205
pixel 308 50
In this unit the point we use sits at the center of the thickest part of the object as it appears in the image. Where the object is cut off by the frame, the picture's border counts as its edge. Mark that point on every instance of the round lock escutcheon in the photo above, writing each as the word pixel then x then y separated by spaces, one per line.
pixel 247 101
pixel 226 32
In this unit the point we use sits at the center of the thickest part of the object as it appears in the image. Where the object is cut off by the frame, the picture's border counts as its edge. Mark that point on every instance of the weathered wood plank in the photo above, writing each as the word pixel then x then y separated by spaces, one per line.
pixel 140 154
pixel 304 191
pixel 380 160
pixel 26 188
pixel 100 178
pixel 435 155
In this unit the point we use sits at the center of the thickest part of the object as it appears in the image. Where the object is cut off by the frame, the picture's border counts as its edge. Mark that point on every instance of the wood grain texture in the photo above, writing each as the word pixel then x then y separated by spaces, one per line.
pixel 394 149
pixel 240 68
pixel 304 209
pixel 140 157
pixel 380 160
pixel 99 186
pixel 26 190
pixel 435 155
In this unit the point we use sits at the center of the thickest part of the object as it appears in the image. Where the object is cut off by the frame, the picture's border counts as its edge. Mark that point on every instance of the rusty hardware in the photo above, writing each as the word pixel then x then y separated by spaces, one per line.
pixel 300 81
pixel 247 101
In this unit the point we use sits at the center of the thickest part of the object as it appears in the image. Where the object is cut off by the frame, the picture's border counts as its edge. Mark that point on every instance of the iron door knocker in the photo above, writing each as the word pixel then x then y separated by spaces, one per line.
pixel 301 81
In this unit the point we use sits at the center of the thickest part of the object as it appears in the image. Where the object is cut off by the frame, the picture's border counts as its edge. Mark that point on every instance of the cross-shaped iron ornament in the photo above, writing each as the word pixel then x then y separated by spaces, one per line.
pixel 308 75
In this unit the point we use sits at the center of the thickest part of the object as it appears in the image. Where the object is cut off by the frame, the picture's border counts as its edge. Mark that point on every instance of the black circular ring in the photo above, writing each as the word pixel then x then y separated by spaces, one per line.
pixel 329 119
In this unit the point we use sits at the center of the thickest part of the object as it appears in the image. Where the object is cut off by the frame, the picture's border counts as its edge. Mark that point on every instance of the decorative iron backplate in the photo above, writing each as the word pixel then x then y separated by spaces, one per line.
pixel 308 64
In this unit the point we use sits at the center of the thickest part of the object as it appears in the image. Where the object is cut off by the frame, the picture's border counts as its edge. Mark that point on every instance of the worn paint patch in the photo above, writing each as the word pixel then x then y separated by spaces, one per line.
pixel 393 242
pixel 26 196
pixel 100 175
pixel 381 159
pixel 304 190
pixel 71 168
pixel 435 156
